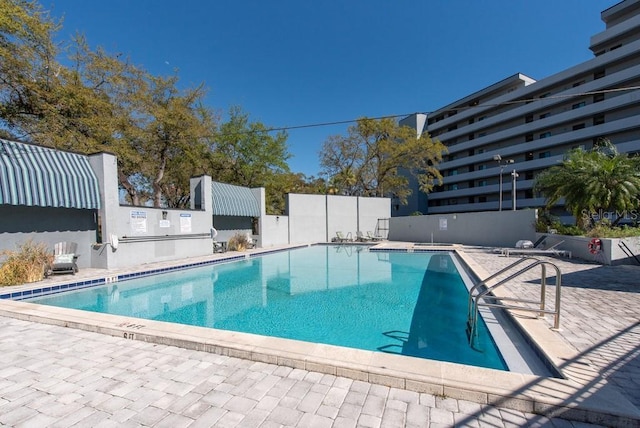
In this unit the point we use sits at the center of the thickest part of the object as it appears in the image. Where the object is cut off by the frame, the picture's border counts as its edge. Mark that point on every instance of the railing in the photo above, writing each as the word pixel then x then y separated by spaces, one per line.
pixel 482 291
pixel 627 251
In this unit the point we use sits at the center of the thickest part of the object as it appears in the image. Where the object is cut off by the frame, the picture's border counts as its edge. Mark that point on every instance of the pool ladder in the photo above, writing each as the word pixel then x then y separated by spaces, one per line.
pixel 481 294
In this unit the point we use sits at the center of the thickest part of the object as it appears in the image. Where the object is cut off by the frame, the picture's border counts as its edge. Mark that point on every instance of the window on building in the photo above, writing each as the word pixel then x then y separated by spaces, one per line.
pixel 545 135
pixel 480 151
pixel 578 105
pixel 546 154
pixel 528 137
pixel 598 120
pixel 481 167
pixel 482 183
pixel 453 202
pixel 528 118
pixel 452 128
pixel 453 172
pixel 578 126
pixel 453 187
pixel 543 115
pixel 482 199
pixel 470 152
pixel 528 194
pixel 598 74
pixel 598 97
pixel 528 156
pixel 471 121
pixel 471 199
pixel 482 118
pixel 578 83
pixel 471 184
pixel 528 175
pixel 545 95
pixel 471 137
pixel 453 113
pixel 482 134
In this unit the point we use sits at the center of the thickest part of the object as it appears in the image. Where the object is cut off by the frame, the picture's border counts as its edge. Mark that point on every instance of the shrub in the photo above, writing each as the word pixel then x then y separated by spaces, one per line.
pixel 28 263
pixel 238 242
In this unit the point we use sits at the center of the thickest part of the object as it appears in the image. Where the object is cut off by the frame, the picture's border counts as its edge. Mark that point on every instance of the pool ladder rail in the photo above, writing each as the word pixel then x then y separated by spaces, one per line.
pixel 481 294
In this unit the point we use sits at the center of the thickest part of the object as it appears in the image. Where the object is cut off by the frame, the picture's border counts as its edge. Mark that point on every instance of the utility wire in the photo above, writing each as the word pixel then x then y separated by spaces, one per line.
pixel 394 116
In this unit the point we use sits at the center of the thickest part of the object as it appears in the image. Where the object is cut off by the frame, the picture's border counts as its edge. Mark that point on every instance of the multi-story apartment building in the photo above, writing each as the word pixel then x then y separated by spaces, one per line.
pixel 526 126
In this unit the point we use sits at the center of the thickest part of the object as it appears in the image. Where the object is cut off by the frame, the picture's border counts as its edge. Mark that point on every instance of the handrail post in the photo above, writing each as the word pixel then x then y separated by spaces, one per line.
pixel 556 322
pixel 543 290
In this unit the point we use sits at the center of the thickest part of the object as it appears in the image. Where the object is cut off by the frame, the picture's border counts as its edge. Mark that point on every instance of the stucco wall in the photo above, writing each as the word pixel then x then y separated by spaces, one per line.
pixel 342 215
pixel 148 235
pixel 610 252
pixel 490 228
pixel 275 230
pixel 48 225
pixel 317 218
pixel 307 218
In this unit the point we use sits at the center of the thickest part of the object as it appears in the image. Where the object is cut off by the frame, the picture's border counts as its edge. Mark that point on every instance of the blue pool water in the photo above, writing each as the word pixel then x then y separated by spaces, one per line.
pixel 406 303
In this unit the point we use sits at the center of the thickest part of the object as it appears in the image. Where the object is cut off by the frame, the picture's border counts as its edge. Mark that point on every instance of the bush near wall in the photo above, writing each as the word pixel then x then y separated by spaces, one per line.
pixel 28 263
pixel 238 242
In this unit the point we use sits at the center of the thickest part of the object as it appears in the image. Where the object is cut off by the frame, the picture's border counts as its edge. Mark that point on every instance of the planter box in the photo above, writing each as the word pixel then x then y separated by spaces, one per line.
pixel 612 251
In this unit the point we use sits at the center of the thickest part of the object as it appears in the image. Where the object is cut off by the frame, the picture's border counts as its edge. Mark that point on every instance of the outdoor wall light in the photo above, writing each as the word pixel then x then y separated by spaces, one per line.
pixel 164 215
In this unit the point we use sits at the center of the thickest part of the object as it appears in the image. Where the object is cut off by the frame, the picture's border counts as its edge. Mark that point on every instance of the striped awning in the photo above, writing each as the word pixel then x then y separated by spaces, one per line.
pixel 39 176
pixel 234 200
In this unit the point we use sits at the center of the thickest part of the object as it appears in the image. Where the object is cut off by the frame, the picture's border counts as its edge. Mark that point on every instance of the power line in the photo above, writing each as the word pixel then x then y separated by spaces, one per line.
pixel 394 116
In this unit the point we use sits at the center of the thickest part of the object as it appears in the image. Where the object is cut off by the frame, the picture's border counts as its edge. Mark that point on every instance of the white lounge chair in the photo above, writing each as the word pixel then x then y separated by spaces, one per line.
pixel 373 237
pixel 341 238
pixel 361 238
pixel 550 251
pixel 64 258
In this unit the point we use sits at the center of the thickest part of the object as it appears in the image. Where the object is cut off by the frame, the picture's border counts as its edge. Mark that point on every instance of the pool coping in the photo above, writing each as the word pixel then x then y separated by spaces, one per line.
pixel 583 395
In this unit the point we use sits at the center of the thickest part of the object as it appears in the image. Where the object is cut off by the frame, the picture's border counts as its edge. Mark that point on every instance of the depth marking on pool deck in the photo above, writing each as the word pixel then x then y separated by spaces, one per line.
pixel 130 335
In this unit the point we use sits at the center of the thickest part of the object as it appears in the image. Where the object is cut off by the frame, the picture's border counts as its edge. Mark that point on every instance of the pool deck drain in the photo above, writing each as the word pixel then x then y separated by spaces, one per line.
pixel 583 396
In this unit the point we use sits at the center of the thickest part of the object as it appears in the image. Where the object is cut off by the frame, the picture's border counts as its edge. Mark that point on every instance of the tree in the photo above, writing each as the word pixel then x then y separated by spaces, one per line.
pixel 372 158
pixel 28 70
pixel 246 154
pixel 594 180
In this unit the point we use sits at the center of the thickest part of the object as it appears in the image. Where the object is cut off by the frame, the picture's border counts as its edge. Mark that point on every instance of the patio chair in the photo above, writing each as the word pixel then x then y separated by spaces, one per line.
pixel 373 237
pixel 218 247
pixel 361 238
pixel 551 251
pixel 341 238
pixel 251 243
pixel 64 258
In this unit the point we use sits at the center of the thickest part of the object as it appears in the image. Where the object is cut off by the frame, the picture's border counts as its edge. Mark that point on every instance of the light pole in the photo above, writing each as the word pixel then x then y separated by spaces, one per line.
pixel 514 174
pixel 502 163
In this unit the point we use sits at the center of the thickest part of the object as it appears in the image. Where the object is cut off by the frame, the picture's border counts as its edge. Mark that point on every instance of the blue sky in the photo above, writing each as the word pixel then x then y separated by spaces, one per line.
pixel 299 62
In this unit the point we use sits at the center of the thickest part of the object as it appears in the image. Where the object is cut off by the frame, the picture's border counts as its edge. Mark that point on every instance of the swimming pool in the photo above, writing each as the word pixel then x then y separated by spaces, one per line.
pixel 396 302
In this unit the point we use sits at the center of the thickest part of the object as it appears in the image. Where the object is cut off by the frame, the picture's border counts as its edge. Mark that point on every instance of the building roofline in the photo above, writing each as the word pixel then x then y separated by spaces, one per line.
pixel 485 91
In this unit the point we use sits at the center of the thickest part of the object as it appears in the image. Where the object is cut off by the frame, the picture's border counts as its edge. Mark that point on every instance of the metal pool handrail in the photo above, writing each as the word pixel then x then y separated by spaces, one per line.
pixel 487 293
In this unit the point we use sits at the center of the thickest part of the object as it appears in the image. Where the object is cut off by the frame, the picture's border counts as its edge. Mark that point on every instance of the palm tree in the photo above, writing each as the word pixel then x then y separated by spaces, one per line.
pixel 593 181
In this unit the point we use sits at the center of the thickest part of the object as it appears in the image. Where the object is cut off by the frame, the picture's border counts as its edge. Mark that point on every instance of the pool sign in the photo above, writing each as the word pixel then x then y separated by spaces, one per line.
pixel 138 222
pixel 443 223
pixel 185 223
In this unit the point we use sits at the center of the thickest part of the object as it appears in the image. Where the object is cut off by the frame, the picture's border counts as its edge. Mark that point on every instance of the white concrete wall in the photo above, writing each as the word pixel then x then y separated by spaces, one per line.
pixel 342 216
pixel 146 236
pixel 490 228
pixel 610 253
pixel 307 218
pixel 317 218
pixel 370 210
pixel 274 230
